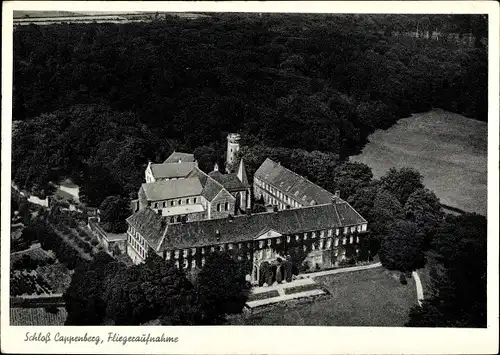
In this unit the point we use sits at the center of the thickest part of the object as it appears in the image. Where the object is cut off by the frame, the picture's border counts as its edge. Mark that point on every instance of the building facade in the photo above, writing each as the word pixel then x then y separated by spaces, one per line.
pixel 314 237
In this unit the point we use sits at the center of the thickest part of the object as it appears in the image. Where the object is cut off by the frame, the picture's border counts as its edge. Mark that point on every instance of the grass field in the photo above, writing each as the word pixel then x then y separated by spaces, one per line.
pixel 364 298
pixel 448 149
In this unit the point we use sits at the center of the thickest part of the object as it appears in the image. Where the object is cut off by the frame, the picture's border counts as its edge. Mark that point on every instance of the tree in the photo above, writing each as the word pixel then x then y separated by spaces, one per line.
pixel 113 212
pixel 83 297
pixel 423 209
pixel 352 176
pixel 385 212
pixel 206 158
pixel 402 183
pixel 459 280
pixel 221 287
pixel 402 249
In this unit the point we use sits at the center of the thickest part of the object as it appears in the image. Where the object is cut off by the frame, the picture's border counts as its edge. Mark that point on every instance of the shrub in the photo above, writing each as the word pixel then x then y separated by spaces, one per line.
pixel 94 241
pixel 87 248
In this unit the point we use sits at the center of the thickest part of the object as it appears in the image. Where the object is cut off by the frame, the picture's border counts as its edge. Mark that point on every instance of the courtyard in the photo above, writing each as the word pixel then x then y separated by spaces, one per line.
pixel 372 297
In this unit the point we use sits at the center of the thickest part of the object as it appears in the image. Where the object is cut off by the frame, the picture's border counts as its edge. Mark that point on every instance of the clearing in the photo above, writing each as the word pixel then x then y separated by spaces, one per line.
pixel 448 149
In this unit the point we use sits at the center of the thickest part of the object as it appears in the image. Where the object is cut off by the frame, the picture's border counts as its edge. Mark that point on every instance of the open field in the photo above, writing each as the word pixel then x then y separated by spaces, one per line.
pixel 448 149
pixel 364 298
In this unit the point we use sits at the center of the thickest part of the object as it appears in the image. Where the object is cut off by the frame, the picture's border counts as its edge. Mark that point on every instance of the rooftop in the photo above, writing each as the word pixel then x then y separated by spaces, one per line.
pixel 172 170
pixel 292 184
pixel 177 157
pixel 241 228
pixel 230 181
pixel 168 189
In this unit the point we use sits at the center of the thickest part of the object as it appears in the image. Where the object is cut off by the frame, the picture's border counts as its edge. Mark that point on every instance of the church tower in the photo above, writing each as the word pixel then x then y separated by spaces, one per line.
pixel 233 147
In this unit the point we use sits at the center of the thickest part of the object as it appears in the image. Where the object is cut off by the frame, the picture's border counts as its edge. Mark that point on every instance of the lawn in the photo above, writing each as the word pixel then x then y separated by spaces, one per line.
pixel 363 298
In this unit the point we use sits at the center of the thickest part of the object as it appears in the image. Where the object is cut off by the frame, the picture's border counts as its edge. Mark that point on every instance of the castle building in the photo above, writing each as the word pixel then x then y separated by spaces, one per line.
pixel 180 192
pixel 311 226
pixel 324 236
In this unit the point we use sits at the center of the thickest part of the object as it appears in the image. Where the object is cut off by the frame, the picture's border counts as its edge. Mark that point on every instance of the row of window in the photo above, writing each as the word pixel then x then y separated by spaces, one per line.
pixel 172 203
pixel 226 206
pixel 138 245
pixel 285 199
pixel 324 243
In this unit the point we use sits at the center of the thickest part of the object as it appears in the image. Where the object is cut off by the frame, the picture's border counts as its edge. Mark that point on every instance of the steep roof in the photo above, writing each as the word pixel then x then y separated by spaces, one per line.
pixel 172 170
pixel 211 187
pixel 229 181
pixel 242 173
pixel 183 157
pixel 247 227
pixel 167 189
pixel 149 224
pixel 297 187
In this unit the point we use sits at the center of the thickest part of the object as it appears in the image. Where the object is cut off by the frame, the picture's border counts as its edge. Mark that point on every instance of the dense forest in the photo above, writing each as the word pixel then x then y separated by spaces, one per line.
pixel 94 102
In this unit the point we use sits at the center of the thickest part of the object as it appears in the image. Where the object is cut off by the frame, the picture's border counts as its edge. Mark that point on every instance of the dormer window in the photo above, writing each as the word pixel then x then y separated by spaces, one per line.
pixel 304 198
pixel 296 193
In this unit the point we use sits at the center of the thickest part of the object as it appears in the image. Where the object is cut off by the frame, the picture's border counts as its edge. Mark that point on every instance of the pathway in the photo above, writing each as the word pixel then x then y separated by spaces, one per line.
pixel 305 279
pixel 342 270
pixel 420 290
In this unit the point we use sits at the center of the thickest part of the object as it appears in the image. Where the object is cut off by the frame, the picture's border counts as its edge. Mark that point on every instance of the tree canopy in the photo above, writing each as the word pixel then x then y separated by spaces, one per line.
pixel 99 100
pixel 402 249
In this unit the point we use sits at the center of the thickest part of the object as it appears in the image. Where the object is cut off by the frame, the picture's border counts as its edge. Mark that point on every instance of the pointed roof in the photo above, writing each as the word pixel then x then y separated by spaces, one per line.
pixel 242 173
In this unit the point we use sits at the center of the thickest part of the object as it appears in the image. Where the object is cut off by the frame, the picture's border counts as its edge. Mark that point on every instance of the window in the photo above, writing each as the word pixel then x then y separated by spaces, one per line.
pixel 179 202
pixel 336 242
pixel 344 240
pixel 185 263
pixel 288 239
pixel 261 244
pixel 269 242
pixel 351 239
pixel 328 243
pixel 168 255
pixel 185 253
pixel 337 232
pixel 230 246
pixel 218 207
pixel 172 219
pixel 321 243
pixel 278 241
pixel 357 239
pixel 226 206
pixel 193 264
pixel 202 261
pixel 353 229
pixel 176 254
pixel 193 251
pixel 297 237
pixel 164 204
pixel 171 203
pixel 156 204
pixel 187 201
pixel 305 236
pixel 194 200
pixel 346 230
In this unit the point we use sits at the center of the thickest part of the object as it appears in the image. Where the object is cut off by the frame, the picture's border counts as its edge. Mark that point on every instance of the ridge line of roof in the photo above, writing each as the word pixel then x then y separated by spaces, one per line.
pixel 302 177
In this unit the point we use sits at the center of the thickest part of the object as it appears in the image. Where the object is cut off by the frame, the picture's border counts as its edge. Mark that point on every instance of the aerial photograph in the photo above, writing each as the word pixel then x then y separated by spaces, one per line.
pixel 249 169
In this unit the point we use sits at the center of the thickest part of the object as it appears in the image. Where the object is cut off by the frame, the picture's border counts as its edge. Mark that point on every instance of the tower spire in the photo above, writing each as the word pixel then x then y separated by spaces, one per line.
pixel 242 173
